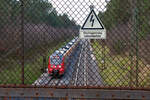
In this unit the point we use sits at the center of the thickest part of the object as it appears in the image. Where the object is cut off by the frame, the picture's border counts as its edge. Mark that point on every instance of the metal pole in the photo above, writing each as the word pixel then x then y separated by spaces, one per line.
pixel 91 8
pixel 134 46
pixel 131 45
pixel 22 40
pixel 137 44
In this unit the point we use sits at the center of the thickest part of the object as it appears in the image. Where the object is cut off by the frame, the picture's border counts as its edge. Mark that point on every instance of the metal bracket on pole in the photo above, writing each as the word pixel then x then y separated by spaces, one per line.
pixel 92 7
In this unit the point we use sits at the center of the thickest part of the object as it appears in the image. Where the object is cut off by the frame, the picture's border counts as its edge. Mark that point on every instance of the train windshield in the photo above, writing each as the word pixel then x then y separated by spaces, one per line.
pixel 55 60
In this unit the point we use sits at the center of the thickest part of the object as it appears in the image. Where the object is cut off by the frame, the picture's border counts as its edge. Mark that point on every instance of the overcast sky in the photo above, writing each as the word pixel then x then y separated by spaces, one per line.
pixel 78 9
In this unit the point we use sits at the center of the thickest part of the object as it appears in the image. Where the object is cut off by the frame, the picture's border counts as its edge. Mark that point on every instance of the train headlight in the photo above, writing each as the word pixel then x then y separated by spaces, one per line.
pixel 59 66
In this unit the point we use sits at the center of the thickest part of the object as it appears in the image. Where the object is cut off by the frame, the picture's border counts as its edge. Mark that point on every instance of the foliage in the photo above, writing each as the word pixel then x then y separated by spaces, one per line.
pixel 35 11
pixel 143 19
pixel 118 11
pixel 121 11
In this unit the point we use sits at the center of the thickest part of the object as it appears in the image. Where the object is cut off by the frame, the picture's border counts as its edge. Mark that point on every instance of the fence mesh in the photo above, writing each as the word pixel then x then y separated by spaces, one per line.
pixel 40 44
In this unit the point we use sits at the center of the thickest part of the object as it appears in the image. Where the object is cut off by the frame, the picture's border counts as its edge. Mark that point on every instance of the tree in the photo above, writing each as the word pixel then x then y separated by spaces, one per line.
pixel 37 11
pixel 121 11
pixel 143 19
pixel 118 11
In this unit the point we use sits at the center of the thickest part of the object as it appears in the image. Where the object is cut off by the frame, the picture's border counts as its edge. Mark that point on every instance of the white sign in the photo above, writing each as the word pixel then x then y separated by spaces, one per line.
pixel 93 28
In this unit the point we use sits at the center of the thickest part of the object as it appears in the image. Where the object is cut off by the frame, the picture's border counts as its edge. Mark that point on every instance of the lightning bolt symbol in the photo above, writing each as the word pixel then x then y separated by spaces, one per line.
pixel 92 20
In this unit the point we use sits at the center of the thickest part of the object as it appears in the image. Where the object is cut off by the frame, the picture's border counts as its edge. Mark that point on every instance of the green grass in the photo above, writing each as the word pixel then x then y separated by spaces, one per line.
pixel 116 71
pixel 10 70
pixel 10 75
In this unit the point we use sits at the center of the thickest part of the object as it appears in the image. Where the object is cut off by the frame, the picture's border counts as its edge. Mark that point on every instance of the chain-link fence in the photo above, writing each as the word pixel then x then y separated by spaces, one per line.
pixel 39 44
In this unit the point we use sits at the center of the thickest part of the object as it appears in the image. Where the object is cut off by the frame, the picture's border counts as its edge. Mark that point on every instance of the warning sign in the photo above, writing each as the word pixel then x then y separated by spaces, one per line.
pixel 93 28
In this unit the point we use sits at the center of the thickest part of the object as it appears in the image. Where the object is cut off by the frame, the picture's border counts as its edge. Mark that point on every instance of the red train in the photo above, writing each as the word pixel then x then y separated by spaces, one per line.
pixel 56 65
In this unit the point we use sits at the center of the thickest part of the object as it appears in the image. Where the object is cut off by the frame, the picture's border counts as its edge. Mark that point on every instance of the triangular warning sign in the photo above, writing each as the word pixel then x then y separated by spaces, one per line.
pixel 92 28
pixel 92 22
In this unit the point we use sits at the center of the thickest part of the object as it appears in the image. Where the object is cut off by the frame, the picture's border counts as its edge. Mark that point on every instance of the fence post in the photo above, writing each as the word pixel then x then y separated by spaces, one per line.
pixel 137 43
pixel 134 46
pixel 22 41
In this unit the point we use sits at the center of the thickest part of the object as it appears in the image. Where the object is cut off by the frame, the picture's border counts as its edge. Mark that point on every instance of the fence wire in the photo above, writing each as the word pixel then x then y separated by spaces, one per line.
pixel 39 44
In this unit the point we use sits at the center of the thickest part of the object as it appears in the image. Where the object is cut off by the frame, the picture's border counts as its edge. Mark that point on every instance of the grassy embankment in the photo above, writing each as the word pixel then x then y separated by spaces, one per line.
pixel 10 69
pixel 118 70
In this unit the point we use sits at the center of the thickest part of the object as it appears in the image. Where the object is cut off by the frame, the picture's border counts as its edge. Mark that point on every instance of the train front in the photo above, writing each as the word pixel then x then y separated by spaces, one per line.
pixel 56 65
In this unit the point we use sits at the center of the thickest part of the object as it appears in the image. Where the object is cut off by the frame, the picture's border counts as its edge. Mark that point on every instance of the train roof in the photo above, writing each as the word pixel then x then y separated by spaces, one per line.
pixel 57 54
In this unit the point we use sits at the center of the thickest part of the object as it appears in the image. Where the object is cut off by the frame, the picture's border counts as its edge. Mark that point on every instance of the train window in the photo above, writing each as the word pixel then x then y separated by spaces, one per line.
pixel 55 60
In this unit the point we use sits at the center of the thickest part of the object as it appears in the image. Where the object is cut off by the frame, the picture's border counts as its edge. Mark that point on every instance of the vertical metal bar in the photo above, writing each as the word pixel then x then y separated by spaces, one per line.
pixel 131 62
pixel 45 52
pixel 135 39
pixel 132 45
pixel 103 55
pixel 22 40
pixel 44 62
pixel 137 45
